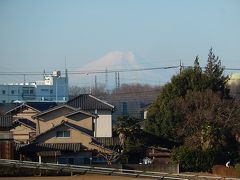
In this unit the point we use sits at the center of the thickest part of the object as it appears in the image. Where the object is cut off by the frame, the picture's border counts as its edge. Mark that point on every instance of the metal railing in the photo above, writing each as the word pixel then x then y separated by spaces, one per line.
pixel 101 170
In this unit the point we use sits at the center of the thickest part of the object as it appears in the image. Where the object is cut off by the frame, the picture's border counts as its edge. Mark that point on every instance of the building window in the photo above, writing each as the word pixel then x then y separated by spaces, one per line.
pixel 51 91
pixel 31 91
pixel 44 90
pixel 12 91
pixel 63 134
pixel 25 91
pixel 3 92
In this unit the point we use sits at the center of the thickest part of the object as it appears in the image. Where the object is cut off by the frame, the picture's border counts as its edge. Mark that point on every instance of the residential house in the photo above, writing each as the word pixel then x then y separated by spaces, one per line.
pixel 24 126
pixel 54 116
pixel 104 110
pixel 66 143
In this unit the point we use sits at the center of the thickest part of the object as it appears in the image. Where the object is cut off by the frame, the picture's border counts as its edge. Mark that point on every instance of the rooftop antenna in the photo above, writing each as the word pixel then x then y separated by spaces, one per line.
pixel 66 72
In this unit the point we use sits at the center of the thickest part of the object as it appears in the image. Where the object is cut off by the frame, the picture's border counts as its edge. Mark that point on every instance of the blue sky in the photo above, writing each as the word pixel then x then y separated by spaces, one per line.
pixel 37 35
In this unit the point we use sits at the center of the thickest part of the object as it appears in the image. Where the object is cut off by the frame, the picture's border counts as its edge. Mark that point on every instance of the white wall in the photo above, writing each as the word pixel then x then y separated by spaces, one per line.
pixel 103 125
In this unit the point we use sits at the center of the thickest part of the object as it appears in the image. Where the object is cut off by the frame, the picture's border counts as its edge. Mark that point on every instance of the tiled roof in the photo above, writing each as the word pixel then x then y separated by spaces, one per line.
pixel 6 121
pixel 38 147
pixel 68 124
pixel 26 122
pixel 54 109
pixel 108 141
pixel 89 102
pixel 81 112
pixel 8 108
pixel 79 128
pixel 42 106
pixel 5 107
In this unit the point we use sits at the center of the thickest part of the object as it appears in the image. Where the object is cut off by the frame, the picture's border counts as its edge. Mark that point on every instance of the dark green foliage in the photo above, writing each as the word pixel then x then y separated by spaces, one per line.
pixel 215 78
pixel 134 144
pixel 163 115
pixel 195 110
pixel 193 160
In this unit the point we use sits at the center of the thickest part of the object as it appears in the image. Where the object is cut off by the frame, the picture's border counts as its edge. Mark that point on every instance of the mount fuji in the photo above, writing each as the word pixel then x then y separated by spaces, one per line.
pixel 102 70
pixel 114 60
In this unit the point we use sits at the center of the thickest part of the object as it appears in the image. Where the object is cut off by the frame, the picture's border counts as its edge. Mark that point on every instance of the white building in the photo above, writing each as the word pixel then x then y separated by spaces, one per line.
pixel 53 87
pixel 234 84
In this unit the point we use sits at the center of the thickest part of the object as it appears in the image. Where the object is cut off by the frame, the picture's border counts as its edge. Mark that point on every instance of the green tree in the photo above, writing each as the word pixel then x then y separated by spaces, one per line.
pixel 163 115
pixel 126 127
pixel 215 77
pixel 132 138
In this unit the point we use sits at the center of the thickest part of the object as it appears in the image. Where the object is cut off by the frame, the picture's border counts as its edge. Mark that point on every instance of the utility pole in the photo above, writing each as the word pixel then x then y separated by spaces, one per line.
pixel 95 82
pixel 116 84
pixel 106 78
pixel 118 81
pixel 180 67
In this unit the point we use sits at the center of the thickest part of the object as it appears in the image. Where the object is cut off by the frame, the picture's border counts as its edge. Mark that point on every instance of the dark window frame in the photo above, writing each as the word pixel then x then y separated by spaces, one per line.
pixel 63 134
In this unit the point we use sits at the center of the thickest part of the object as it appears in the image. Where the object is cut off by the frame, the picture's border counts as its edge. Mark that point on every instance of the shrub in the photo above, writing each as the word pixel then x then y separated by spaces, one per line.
pixel 193 160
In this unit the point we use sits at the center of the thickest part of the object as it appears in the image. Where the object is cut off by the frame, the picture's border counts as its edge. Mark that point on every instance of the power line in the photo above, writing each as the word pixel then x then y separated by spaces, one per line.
pixel 110 71
pixel 92 71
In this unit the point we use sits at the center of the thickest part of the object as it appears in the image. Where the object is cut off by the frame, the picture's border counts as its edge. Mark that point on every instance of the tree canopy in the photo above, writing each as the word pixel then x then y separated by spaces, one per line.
pixel 191 103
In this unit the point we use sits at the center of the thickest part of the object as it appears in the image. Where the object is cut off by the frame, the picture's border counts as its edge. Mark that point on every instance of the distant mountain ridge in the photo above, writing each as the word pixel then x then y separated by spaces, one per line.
pixel 114 60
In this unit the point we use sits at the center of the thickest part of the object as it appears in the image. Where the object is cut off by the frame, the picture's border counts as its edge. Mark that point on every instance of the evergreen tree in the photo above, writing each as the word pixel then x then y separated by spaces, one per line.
pixel 215 77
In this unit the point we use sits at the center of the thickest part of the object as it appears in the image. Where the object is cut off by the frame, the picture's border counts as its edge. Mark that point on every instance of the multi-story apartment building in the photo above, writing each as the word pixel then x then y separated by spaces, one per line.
pixel 53 87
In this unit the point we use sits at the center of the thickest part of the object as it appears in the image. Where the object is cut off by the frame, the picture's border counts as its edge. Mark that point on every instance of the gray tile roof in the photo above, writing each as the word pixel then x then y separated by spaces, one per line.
pixel 54 109
pixel 25 122
pixel 6 121
pixel 89 102
pixel 11 108
pixel 38 147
